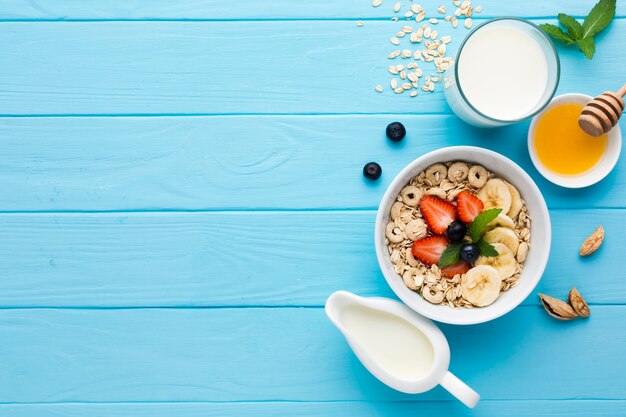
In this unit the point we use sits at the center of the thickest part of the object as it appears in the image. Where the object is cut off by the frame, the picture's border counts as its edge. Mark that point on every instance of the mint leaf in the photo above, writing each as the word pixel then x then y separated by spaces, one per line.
pixel 599 17
pixel 451 255
pixel 574 28
pixel 477 228
pixel 486 249
pixel 587 46
pixel 557 33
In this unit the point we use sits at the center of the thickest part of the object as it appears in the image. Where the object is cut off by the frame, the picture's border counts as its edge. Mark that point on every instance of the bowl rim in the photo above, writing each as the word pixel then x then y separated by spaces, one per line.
pixel 443 154
pixel 598 172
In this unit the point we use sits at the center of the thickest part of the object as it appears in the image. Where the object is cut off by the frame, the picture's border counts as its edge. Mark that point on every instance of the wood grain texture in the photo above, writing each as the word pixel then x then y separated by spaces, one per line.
pixel 289 354
pixel 516 408
pixel 249 9
pixel 246 258
pixel 239 163
pixel 264 67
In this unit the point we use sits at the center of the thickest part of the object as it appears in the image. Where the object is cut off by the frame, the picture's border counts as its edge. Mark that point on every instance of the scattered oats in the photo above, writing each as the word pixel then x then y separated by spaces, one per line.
pixel 434 79
pixel 427 32
pixel 409 14
pixel 392 69
pixel 414 84
pixel 411 65
pixel 417 55
pixel 395 41
pixel 441 9
pixel 400 34
pixel 466 4
pixel 377 3
pixel 394 19
pixel 434 34
pixel 442 50
pixel 425 88
pixel 414 38
pixel 416 8
pixel 359 23
pixel 394 83
pixel 413 93
pixel 427 44
pixel 397 7
pixel 455 22
pixel 447 18
pixel 407 86
pixel 446 39
pixel 478 9
pixel 398 90
pixel 418 72
pixel 379 88
pixel 406 53
pixel 420 16
pixel 403 74
pixel 420 32
pixel 457 3
pixel 407 29
pixel 399 67
pixel 428 58
pixel 433 20
pixel 431 87
pixel 412 77
pixel 468 22
pixel 394 54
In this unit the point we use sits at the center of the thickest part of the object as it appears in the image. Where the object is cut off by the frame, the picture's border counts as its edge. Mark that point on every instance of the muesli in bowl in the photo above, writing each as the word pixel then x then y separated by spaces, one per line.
pixel 458 235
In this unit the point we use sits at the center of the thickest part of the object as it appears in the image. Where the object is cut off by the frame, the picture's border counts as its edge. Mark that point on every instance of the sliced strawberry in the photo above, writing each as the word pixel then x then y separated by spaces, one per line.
pixel 438 213
pixel 458 268
pixel 429 249
pixel 469 206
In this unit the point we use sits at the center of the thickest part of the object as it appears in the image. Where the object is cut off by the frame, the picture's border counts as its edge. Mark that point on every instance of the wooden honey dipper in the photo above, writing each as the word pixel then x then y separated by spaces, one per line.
pixel 602 113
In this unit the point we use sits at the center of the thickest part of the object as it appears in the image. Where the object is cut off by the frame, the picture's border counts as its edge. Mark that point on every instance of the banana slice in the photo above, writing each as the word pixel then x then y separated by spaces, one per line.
pixel 516 201
pixel 503 235
pixel 504 263
pixel 501 221
pixel 481 285
pixel 496 194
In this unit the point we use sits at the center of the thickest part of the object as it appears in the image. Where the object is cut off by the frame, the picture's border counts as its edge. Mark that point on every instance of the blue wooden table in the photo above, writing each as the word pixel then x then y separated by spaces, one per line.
pixel 181 191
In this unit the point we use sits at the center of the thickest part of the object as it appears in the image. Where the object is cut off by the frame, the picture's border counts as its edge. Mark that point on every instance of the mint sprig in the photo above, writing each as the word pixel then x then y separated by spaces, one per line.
pixel 486 249
pixel 583 35
pixel 451 255
pixel 478 227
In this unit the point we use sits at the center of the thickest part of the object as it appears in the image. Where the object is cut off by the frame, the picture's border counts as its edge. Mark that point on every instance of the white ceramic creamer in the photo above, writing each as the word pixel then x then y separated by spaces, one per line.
pixel 398 346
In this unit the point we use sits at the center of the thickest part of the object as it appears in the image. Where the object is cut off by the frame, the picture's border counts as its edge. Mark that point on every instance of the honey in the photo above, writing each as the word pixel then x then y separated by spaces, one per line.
pixel 562 146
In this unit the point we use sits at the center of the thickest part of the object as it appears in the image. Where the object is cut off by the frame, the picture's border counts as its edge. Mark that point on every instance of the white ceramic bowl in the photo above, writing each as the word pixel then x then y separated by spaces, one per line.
pixel 595 174
pixel 537 255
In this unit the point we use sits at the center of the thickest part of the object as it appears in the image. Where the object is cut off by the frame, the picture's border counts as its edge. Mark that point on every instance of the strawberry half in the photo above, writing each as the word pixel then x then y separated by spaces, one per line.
pixel 469 206
pixel 458 268
pixel 429 249
pixel 438 213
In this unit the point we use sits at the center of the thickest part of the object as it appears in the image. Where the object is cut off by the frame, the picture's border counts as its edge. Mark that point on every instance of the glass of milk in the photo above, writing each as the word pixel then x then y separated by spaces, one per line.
pixel 506 71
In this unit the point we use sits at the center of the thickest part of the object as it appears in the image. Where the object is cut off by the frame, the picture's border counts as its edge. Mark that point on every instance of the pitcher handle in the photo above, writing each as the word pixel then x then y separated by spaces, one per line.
pixel 460 390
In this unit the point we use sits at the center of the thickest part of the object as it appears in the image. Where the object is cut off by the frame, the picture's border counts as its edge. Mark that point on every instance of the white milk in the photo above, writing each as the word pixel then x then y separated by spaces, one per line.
pixel 396 345
pixel 507 70
pixel 503 72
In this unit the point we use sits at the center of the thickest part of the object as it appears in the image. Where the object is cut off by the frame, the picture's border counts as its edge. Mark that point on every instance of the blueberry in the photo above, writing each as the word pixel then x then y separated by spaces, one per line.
pixel 456 231
pixel 469 253
pixel 396 131
pixel 372 170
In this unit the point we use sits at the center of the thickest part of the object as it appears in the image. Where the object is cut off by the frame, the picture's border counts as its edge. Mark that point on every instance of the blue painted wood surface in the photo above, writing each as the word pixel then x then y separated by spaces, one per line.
pixel 182 190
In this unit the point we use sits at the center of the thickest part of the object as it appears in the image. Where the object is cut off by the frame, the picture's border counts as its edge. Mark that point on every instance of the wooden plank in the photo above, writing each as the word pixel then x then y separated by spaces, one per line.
pixel 523 408
pixel 245 258
pixel 231 67
pixel 289 355
pixel 249 9
pixel 244 162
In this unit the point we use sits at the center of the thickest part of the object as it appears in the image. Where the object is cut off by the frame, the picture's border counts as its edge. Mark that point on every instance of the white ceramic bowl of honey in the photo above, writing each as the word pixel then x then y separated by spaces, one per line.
pixel 563 153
